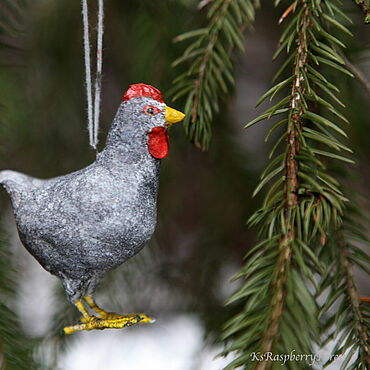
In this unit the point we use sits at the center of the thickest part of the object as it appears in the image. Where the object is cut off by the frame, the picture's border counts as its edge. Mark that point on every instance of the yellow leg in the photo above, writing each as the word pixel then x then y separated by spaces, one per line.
pixel 106 319
pixel 82 309
pixel 115 316
pixel 86 318
pixel 105 315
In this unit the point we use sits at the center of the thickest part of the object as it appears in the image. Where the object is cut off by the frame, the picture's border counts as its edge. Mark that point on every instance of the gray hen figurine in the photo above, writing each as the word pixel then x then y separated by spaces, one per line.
pixel 84 224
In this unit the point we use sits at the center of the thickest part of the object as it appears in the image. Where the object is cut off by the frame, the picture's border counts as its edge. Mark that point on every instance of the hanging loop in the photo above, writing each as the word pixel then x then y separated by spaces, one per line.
pixel 93 111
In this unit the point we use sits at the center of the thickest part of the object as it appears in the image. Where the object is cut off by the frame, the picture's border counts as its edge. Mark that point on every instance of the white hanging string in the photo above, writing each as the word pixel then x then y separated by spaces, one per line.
pixel 99 65
pixel 93 112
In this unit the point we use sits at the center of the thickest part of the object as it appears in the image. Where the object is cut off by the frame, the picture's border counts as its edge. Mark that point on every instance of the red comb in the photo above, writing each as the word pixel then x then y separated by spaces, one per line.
pixel 141 89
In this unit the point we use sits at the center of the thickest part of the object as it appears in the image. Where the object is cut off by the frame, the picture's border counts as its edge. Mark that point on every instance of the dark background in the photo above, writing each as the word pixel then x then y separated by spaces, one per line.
pixel 205 197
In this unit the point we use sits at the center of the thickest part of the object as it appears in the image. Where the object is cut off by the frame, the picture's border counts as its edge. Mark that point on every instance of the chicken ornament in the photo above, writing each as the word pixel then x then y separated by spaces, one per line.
pixel 86 223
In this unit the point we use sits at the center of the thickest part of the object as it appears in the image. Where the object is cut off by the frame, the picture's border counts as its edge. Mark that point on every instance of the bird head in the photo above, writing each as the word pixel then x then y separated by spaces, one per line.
pixel 143 109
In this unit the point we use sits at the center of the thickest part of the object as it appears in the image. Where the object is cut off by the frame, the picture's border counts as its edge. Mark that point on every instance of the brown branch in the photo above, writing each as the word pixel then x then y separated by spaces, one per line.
pixel 354 297
pixel 364 8
pixel 290 192
pixel 202 69
pixel 298 90
pixel 277 300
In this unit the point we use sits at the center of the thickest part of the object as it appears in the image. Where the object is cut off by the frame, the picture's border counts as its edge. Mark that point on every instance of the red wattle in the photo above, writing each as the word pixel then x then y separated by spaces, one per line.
pixel 158 142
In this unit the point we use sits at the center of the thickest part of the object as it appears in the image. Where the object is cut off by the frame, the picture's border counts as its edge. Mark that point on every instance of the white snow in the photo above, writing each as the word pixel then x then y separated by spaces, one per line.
pixel 173 343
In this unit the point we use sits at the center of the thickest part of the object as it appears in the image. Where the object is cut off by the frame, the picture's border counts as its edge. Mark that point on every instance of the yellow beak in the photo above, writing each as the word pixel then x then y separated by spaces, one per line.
pixel 172 116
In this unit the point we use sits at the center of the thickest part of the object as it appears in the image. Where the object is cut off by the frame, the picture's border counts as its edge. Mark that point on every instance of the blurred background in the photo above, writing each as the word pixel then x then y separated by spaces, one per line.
pixel 183 276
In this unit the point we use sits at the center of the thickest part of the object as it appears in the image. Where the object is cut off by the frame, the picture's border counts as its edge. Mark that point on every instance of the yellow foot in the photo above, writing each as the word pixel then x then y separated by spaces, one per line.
pixel 111 321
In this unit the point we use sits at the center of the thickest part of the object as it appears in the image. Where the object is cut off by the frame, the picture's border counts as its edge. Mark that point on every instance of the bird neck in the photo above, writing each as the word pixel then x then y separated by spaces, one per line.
pixel 127 145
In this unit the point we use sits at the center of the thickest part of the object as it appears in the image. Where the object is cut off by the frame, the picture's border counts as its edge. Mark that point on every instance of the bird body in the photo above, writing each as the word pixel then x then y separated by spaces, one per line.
pixel 86 223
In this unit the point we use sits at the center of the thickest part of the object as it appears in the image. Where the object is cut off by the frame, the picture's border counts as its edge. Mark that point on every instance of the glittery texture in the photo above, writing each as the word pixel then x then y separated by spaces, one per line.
pixel 84 224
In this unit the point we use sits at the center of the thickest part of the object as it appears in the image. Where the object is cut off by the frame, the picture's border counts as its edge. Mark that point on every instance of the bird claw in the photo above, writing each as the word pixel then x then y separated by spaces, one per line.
pixel 109 315
pixel 111 321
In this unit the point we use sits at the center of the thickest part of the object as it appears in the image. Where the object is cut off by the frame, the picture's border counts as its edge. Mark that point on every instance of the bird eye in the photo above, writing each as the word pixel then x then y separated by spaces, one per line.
pixel 150 110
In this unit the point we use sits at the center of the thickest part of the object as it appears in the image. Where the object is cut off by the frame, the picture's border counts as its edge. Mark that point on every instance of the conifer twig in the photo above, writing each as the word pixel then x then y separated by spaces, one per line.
pixel 365 8
pixel 290 188
pixel 353 295
pixel 303 205
pixel 278 298
pixel 209 73
pixel 203 66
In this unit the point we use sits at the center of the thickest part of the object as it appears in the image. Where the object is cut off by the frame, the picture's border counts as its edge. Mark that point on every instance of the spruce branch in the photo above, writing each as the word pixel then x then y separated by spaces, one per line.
pixel 291 185
pixel 350 321
pixel 278 298
pixel 362 331
pixel 365 7
pixel 304 204
pixel 209 74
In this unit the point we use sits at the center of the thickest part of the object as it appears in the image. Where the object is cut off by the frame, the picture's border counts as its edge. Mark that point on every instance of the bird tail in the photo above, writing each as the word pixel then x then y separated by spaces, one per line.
pixel 14 183
pixel 6 175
